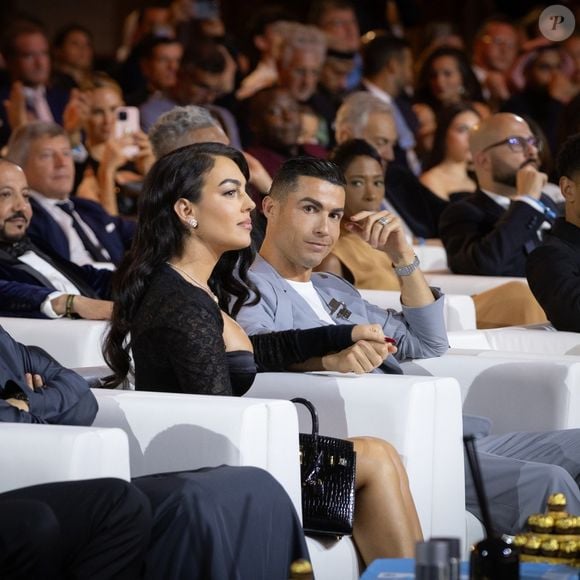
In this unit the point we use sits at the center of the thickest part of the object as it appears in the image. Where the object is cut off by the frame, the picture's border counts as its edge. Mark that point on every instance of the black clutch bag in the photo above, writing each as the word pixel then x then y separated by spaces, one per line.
pixel 327 473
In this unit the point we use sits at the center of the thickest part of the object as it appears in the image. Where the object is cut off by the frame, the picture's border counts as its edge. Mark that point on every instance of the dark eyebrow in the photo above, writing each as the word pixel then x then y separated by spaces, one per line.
pixel 231 180
pixel 316 203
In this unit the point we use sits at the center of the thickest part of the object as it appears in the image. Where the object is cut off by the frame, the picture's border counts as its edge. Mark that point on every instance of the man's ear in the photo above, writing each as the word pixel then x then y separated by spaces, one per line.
pixel 184 209
pixel 269 206
pixel 343 134
pixel 568 188
pixel 481 159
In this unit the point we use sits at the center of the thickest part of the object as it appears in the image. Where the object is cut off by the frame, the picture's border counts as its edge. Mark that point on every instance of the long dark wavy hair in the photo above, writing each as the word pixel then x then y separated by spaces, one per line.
pixel 471 86
pixel 160 236
pixel 444 119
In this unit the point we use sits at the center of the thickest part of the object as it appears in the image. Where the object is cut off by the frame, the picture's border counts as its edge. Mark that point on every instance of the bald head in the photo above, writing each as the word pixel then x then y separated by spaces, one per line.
pixel 494 129
pixel 501 146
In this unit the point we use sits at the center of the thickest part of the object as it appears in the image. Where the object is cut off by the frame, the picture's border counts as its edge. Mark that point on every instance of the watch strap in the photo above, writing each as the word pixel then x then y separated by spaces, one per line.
pixel 408 269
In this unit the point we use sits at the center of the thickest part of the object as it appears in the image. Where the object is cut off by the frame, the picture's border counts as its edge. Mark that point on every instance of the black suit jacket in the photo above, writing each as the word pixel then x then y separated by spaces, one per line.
pixel 482 238
pixel 22 289
pixel 114 233
pixel 415 203
pixel 553 271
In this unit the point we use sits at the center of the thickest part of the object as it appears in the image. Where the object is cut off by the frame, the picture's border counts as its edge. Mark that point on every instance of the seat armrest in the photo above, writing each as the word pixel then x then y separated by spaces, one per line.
pixel 174 432
pixel 34 454
pixel 73 343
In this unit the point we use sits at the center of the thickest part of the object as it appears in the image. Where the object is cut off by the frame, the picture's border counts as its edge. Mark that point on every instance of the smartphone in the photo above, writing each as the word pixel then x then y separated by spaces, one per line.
pixel 127 123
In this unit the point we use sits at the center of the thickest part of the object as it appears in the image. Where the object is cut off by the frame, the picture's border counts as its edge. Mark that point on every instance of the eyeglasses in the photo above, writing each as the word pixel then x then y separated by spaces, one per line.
pixel 517 144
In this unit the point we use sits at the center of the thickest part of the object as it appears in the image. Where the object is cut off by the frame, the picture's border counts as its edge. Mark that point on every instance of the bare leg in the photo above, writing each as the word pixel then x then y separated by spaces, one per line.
pixel 385 523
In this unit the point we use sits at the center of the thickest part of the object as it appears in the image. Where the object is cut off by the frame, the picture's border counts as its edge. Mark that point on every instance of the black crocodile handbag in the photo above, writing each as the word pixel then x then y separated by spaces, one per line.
pixel 327 473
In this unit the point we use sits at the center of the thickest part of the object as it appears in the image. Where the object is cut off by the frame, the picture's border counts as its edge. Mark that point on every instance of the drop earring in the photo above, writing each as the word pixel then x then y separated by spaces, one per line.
pixel 192 222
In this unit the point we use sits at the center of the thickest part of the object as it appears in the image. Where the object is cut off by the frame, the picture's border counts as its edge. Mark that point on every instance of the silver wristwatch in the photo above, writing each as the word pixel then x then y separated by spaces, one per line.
pixel 408 269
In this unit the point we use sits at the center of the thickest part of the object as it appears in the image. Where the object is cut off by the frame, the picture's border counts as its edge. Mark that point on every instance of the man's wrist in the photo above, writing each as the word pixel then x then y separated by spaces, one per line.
pixel 402 259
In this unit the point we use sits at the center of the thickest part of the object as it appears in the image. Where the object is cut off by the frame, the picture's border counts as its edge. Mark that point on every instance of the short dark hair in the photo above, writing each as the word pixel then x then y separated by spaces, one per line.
pixel 22 27
pixel 286 180
pixel 319 7
pixel 568 161
pixel 149 43
pixel 379 51
pixel 345 153
pixel 204 54
pixel 493 19
pixel 61 36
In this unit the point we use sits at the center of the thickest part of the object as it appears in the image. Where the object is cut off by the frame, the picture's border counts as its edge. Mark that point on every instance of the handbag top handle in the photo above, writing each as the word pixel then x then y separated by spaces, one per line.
pixel 312 410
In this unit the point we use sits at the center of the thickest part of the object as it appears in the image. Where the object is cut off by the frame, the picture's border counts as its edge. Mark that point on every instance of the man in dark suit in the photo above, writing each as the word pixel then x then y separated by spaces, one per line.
pixel 28 96
pixel 491 232
pixel 34 283
pixel 553 269
pixel 79 230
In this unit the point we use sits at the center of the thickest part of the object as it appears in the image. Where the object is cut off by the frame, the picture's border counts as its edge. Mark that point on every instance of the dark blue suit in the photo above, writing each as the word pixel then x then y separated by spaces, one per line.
pixel 64 400
pixel 56 98
pixel 553 271
pixel 484 239
pixel 114 233
pixel 22 289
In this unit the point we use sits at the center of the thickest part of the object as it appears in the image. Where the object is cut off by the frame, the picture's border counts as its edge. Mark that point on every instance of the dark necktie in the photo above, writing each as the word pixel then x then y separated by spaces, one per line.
pixel 94 250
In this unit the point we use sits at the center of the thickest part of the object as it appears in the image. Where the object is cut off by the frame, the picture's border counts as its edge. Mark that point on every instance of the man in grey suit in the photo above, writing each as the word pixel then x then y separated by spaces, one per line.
pixel 304 210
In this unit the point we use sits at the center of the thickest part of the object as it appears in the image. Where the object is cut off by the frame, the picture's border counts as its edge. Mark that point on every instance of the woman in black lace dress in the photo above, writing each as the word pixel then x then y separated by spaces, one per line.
pixel 174 296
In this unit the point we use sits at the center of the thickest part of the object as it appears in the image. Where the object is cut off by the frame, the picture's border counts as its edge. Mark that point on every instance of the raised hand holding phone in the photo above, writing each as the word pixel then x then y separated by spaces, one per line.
pixel 127 124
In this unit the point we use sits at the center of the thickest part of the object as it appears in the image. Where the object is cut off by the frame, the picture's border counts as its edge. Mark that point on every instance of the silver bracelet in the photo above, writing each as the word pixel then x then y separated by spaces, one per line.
pixel 408 269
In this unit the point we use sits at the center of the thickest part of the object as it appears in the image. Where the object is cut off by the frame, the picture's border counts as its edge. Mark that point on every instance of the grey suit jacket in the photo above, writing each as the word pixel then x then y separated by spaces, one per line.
pixel 419 332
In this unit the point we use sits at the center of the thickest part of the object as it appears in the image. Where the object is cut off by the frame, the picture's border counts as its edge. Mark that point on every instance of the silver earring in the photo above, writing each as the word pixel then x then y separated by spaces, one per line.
pixel 192 222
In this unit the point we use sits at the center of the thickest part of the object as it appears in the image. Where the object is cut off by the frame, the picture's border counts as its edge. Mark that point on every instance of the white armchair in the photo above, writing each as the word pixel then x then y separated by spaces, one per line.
pixel 172 432
pixel 73 343
pixel 519 392
pixel 49 453
pixel 459 309
pixel 517 340
pixel 422 419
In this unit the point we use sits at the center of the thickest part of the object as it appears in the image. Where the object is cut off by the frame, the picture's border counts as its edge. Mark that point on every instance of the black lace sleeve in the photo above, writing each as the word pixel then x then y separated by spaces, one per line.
pixel 276 351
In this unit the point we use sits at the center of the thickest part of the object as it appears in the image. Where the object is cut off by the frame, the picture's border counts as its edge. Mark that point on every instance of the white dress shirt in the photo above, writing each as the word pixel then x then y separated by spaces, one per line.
pixel 309 293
